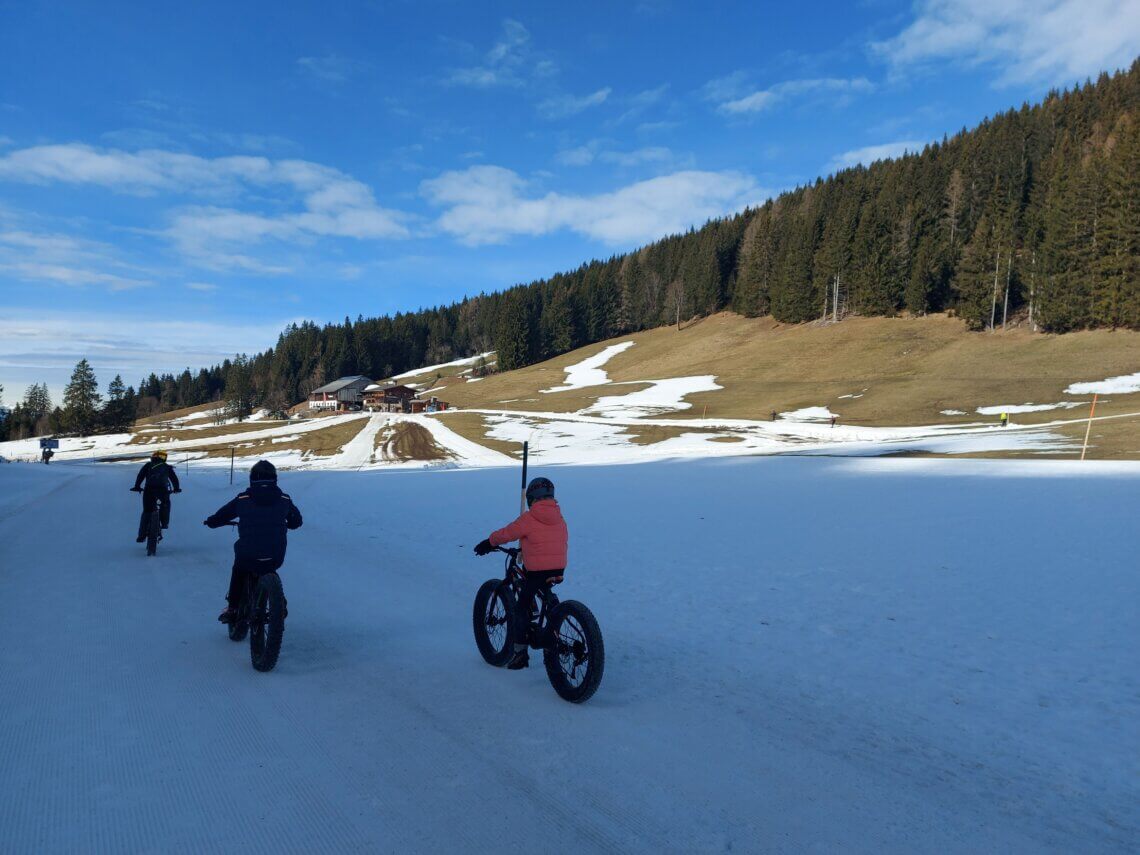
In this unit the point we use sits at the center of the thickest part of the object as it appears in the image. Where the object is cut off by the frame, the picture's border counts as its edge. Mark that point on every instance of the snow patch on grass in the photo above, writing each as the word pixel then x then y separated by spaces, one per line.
pixel 808 414
pixel 1125 384
pixel 589 371
pixel 663 396
pixel 470 360
pixel 1027 408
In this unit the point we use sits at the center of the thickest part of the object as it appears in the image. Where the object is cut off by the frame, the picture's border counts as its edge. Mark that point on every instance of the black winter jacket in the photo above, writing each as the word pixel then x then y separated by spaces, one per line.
pixel 164 475
pixel 264 514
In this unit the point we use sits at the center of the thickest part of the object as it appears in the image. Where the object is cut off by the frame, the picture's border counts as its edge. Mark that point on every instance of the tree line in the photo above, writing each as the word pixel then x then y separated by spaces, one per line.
pixel 1033 216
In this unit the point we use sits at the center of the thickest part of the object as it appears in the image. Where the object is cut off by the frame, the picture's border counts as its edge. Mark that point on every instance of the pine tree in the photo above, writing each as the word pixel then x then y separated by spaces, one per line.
pixel 81 400
pixel 119 411
pixel 239 395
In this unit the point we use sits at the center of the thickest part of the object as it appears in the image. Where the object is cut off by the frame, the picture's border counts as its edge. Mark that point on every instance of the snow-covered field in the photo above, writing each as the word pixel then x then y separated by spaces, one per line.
pixel 803 654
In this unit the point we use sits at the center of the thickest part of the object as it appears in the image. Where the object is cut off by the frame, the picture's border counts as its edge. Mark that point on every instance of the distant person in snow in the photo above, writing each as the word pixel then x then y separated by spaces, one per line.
pixel 154 481
pixel 542 534
pixel 47 455
pixel 1004 419
pixel 264 516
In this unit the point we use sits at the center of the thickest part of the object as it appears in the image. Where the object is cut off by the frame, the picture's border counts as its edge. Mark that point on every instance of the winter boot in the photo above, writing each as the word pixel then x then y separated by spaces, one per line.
pixel 521 659
pixel 228 615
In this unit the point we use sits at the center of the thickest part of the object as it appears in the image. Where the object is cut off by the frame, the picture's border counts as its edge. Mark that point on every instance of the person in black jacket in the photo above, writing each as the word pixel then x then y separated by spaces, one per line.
pixel 154 481
pixel 264 516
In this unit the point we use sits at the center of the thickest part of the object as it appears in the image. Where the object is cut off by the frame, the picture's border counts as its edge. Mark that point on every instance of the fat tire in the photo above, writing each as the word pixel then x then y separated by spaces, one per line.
pixel 595 647
pixel 153 530
pixel 268 606
pixel 491 590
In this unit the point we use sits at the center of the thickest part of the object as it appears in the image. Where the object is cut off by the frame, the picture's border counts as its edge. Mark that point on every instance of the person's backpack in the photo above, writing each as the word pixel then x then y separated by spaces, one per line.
pixel 156 477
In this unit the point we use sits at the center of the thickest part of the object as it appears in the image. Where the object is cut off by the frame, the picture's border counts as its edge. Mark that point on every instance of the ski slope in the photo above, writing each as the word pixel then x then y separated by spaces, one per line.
pixel 803 654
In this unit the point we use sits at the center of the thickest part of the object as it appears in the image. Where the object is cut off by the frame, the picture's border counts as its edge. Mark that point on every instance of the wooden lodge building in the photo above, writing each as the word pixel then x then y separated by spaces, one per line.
pixel 341 395
pixel 359 393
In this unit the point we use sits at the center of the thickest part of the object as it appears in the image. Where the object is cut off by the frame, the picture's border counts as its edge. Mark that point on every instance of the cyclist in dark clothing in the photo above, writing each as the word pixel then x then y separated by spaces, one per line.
pixel 264 516
pixel 154 481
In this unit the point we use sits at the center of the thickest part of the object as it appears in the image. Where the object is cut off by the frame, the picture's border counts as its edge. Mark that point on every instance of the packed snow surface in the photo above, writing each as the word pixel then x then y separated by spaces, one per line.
pixel 589 371
pixel 1125 384
pixel 953 412
pixel 998 409
pixel 803 654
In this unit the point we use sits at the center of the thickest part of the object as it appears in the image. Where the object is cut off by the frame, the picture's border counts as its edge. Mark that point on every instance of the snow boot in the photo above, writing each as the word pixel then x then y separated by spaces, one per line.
pixel 521 659
pixel 140 539
pixel 228 615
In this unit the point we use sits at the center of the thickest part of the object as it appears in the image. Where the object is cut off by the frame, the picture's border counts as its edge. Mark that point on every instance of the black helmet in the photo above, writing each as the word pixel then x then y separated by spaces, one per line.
pixel 539 488
pixel 263 470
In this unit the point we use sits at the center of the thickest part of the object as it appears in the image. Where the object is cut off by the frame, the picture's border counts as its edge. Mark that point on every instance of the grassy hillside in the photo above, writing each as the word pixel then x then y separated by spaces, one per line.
pixel 903 371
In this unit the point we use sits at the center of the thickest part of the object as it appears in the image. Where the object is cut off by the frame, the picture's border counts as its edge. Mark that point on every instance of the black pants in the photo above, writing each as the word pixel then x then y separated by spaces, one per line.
pixel 247 571
pixel 149 497
pixel 533 582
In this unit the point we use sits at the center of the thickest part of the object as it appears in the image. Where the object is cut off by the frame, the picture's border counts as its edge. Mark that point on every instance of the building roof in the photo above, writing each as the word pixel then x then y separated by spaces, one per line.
pixel 372 387
pixel 337 385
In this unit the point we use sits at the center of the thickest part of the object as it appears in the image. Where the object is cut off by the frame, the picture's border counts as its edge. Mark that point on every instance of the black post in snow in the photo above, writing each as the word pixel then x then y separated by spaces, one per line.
pixel 522 498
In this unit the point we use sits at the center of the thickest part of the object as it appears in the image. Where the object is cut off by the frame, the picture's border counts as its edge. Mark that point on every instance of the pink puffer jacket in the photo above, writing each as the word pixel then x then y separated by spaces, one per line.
pixel 541 533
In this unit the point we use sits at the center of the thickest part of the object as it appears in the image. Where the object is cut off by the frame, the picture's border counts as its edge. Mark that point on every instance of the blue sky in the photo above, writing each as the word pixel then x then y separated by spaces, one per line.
pixel 179 181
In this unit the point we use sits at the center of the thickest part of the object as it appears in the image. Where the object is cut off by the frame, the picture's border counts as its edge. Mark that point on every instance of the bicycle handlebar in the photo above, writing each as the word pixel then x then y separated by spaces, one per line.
pixel 509 550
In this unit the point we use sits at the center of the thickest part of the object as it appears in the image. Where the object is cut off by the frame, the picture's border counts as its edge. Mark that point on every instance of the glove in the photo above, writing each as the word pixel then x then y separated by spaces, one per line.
pixel 136 489
pixel 484 547
pixel 179 490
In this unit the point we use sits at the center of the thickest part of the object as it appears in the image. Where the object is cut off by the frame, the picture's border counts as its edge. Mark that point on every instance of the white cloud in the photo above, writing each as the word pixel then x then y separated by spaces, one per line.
pixel 582 155
pixel 762 99
pixel 870 154
pixel 330 68
pixel 489 204
pixel 570 105
pixel 592 151
pixel 509 62
pixel 1027 41
pixel 64 260
pixel 201 286
pixel 332 204
pixel 37 346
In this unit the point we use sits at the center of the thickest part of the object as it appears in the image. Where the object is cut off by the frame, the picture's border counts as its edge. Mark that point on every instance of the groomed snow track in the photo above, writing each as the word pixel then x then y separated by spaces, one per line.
pixel 802 655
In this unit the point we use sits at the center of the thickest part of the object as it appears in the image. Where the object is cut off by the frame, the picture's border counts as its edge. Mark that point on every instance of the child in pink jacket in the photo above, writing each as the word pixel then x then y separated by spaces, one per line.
pixel 542 534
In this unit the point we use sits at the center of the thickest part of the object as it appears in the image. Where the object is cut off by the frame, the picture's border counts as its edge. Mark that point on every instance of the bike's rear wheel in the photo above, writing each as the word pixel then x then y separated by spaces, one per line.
pixel 266 622
pixel 575 655
pixel 492 619
pixel 153 532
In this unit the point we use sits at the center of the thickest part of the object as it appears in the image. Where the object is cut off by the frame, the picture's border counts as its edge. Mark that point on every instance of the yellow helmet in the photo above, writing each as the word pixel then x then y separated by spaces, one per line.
pixel 159 453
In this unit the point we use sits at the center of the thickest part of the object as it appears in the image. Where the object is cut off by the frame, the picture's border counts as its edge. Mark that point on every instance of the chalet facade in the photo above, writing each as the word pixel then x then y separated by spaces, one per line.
pixel 390 399
pixel 341 395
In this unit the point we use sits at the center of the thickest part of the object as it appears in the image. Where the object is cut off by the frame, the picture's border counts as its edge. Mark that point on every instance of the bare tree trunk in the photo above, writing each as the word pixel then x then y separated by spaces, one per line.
pixel 1033 292
pixel 993 303
pixel 1008 270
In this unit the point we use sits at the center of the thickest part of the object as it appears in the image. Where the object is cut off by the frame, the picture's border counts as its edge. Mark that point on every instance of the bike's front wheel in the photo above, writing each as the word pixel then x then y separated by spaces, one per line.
pixel 575 655
pixel 267 622
pixel 492 620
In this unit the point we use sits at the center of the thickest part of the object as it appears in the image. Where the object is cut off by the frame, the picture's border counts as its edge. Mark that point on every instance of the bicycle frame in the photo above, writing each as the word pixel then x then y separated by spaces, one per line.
pixel 515 577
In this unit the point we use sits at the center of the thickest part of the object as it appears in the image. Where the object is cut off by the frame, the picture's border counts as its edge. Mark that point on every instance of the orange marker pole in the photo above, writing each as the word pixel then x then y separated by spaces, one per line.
pixel 1088 430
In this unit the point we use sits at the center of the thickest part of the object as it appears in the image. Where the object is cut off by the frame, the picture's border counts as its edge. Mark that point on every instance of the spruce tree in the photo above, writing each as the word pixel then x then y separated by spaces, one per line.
pixel 81 400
